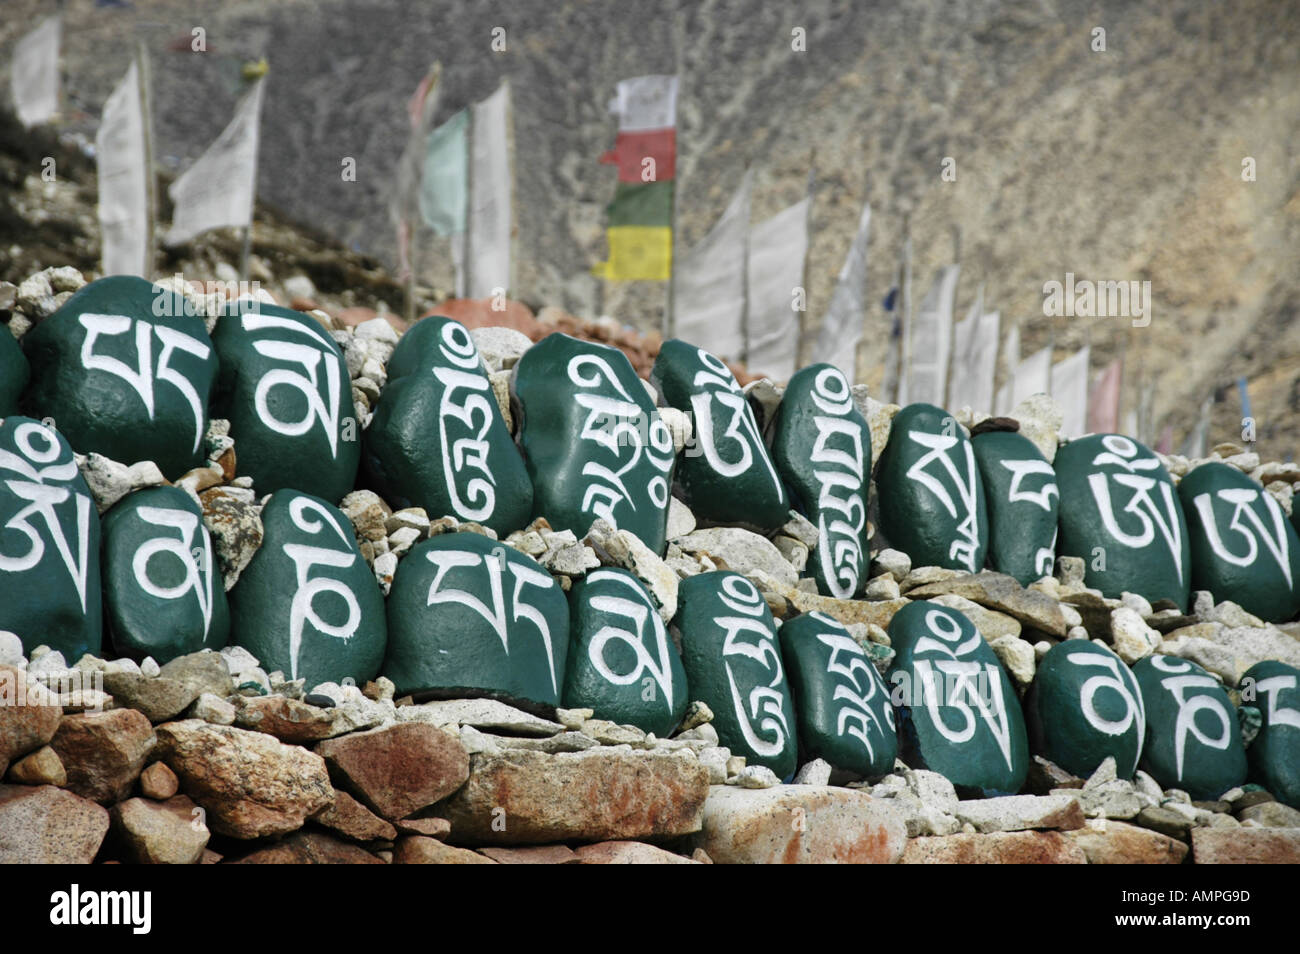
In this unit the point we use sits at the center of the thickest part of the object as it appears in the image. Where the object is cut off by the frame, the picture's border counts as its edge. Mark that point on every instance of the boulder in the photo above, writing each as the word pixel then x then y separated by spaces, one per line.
pixel 996 848
pixel 399 769
pixel 1119 843
pixel 1274 756
pixel 1023 500
pixel 1021 813
pixel 309 848
pixel 47 825
pixel 419 850
pixel 103 753
pixel 1248 846
pixel 739 550
pixel 627 853
pixel 349 817
pixel 159 833
pixel 29 715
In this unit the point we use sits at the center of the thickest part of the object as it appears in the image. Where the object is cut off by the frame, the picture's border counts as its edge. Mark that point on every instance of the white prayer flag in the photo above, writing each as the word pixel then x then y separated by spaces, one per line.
pixel 490 213
pixel 645 102
pixel 777 249
pixel 1033 376
pixel 973 371
pixel 841 330
pixel 1070 388
pixel 218 190
pixel 709 282
pixel 931 342
pixel 34 73
pixel 1010 360
pixel 123 180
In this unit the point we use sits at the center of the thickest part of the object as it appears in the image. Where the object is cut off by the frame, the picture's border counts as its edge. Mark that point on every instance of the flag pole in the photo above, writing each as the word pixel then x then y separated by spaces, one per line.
pixel 744 283
pixel 801 329
pixel 905 357
pixel 247 244
pixel 144 81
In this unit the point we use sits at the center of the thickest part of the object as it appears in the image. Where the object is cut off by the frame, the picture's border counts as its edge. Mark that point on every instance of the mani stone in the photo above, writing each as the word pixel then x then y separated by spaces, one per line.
pixel 726 474
pixel 14 373
pixel 622 665
pixel 1023 500
pixel 437 439
pixel 163 593
pixel 308 604
pixel 841 704
pixel 1243 547
pixel 733 662
pixel 1123 519
pixel 125 369
pixel 1275 753
pixel 1193 742
pixel 594 445
pixel 285 389
pixel 1083 706
pixel 822 449
pixel 931 494
pixel 49 543
pixel 470 616
pixel 959 715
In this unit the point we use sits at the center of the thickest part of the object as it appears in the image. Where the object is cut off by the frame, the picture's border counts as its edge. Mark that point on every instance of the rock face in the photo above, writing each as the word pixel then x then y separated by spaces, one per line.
pixel 103 752
pixel 14 374
pixel 593 442
pixel 1119 843
pixel 1023 500
pixel 284 387
pixel 1253 846
pixel 733 663
pixel 1193 742
pixel 126 369
pixel 1124 519
pixel 959 715
pixel 29 716
pixel 437 439
pixel 310 848
pixel 841 704
pixel 471 616
pixel 1243 548
pixel 997 848
pixel 398 769
pixel 46 825
pixel 800 824
pixel 307 604
pixel 727 476
pixel 822 449
pixel 160 833
pixel 1083 706
pixel 621 663
pixel 49 547
pixel 1274 688
pixel 935 511
pixel 250 784
pixel 602 794
pixel 163 592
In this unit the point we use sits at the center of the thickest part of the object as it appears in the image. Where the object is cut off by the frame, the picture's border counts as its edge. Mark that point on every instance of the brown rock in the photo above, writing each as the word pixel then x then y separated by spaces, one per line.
pixel 1246 846
pixel 157 697
pixel 799 824
pixel 202 672
pixel 418 850
pixel 48 825
pixel 521 797
pixel 289 720
pixel 998 848
pixel 103 752
pixel 250 783
pixel 309 848
pixel 478 313
pixel 159 833
pixel 349 817
pixel 1120 843
pixel 1001 592
pixel 538 855
pixel 629 853
pixel 42 767
pixel 210 857
pixel 28 715
pixel 398 769
pixel 431 827
pixel 158 782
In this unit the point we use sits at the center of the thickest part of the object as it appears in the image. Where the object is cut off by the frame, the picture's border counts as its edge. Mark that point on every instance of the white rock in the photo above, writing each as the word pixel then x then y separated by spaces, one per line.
pixel 680 427
pixel 11 649
pixel 1137 603
pixel 1040 418
pixel 714 759
pixel 883 587
pixel 680 519
pixel 238 660
pixel 755 776
pixel 622 548
pixel 1132 637
pixel 1015 812
pixel 816 772
pixel 741 551
pixel 501 348
pixel 212 708
pixel 1017 656
pixel 377 329
pixel 894 563
pixel 149 667
pixel 385 568
pixel 802 529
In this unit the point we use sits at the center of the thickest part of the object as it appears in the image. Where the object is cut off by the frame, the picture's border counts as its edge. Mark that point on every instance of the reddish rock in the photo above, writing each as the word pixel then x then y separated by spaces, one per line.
pixel 1246 846
pixel 398 769
pixel 289 720
pixel 1120 843
pixel 159 833
pixel 309 848
pixel 250 783
pixel 432 827
pixel 629 853
pixel 48 825
pixel 538 855
pixel 418 850
pixel 28 716
pixel 42 767
pixel 103 752
pixel 996 848
pixel 158 782
pixel 349 817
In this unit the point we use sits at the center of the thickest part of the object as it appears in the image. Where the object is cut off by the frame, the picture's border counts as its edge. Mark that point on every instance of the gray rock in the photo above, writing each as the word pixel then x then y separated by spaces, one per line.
pixel 1022 812
pixel 816 772
pixel 481 714
pixel 741 551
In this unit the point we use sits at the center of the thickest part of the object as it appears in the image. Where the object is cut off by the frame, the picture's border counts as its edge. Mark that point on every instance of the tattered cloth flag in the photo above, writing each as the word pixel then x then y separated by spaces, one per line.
pixel 34 73
pixel 1005 400
pixel 408 176
pixel 1033 376
pixel 778 248
pixel 837 342
pixel 123 180
pixel 219 189
pixel 709 283
pixel 931 342
pixel 488 233
pixel 1070 388
pixel 1103 402
pixel 975 358
pixel 640 219
pixel 443 195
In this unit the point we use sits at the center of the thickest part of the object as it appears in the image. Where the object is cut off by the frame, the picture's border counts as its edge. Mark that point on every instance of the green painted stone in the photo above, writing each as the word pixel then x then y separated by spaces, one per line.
pixel 932 503
pixel 424 346
pixel 594 445
pixel 163 593
pixel 621 662
pixel 470 616
pixel 733 662
pixel 1123 519
pixel 958 714
pixel 725 472
pixel 307 604
pixel 1084 705
pixel 1192 740
pixel 49 543
pixel 1023 500
pixel 842 706
pixel 1243 548
pixel 437 439
pixel 125 369
pixel 1275 754
pixel 822 449
pixel 285 389
pixel 14 373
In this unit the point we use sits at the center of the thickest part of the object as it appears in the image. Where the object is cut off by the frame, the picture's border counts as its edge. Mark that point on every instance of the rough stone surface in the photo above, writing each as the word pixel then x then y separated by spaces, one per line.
pixel 418 850
pixel 349 817
pixel 28 715
pixel 741 551
pixel 1023 500
pixel 310 848
pixel 627 853
pixel 399 769
pixel 103 752
pixel 1250 846
pixel 1119 843
pixel 47 825
pixel 1021 812
pixel 997 848
pixel 159 833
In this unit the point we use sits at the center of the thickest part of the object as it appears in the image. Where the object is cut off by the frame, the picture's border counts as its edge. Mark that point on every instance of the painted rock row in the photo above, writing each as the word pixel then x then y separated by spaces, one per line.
pixel 1023 500
pixel 726 476
pixel 437 439
pixel 14 374
pixel 822 449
